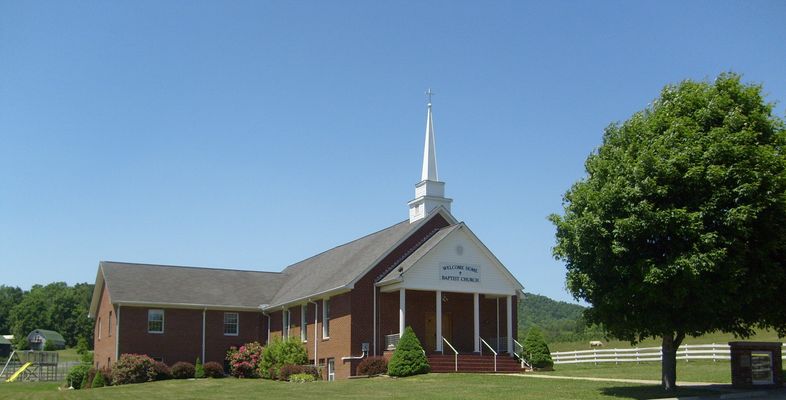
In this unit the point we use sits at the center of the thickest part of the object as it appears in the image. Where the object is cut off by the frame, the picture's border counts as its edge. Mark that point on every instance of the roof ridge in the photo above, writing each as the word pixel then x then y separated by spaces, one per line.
pixel 189 267
pixel 344 244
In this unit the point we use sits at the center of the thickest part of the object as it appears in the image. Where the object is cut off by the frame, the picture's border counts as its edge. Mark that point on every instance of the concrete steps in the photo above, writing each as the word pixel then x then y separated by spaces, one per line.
pixel 473 363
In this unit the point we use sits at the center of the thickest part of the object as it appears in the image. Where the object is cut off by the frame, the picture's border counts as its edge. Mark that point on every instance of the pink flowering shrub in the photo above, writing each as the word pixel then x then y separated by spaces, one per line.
pixel 244 361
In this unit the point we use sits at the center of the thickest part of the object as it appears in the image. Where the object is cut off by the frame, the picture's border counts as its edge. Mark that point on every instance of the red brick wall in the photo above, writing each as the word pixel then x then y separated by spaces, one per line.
pixel 103 344
pixel 182 337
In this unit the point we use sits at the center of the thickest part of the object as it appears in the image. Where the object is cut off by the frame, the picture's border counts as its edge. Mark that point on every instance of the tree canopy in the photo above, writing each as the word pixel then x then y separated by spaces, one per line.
pixel 56 307
pixel 678 228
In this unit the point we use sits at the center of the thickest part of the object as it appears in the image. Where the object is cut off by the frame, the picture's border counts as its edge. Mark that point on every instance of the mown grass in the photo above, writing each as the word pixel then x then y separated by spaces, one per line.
pixel 432 386
pixel 717 337
pixel 692 371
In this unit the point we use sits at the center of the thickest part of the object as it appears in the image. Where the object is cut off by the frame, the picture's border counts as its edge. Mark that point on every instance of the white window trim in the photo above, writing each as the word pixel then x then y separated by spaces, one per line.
pixel 303 323
pixel 325 317
pixel 163 321
pixel 237 324
pixel 99 329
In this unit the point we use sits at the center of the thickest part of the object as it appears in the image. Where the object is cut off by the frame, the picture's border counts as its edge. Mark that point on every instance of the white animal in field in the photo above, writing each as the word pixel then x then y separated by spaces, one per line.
pixel 596 343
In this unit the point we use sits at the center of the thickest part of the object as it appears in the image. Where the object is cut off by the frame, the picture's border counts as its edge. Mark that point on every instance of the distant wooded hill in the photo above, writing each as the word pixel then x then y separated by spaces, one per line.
pixel 558 320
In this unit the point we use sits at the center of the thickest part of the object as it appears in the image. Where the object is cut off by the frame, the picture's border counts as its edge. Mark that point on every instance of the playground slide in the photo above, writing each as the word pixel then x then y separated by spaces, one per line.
pixel 18 372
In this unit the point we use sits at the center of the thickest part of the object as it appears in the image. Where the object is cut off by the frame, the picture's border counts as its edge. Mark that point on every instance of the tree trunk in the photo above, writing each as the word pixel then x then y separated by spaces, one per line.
pixel 669 361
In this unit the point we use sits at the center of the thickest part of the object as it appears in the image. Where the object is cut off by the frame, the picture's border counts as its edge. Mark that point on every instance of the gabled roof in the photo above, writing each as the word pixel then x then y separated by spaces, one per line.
pixel 53 336
pixel 338 267
pixel 151 284
pixel 418 254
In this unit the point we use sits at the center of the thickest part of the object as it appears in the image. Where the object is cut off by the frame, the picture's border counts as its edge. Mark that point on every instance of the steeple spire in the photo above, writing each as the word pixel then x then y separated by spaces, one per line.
pixel 429 192
pixel 429 149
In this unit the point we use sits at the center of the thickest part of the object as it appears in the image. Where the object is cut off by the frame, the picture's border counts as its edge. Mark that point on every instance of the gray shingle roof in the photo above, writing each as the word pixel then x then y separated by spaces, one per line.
pixel 339 266
pixel 419 253
pixel 333 269
pixel 164 284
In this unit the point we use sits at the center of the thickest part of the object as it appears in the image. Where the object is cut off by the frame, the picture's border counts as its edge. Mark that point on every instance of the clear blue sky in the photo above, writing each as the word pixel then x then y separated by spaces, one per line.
pixel 251 134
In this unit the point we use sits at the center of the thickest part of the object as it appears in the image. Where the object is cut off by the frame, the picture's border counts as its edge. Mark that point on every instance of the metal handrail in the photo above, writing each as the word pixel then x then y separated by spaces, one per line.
pixel 8 362
pixel 520 356
pixel 455 356
pixel 492 350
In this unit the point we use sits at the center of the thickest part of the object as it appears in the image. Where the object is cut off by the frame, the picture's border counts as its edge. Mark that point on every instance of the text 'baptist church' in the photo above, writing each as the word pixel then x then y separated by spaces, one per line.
pixel 460 273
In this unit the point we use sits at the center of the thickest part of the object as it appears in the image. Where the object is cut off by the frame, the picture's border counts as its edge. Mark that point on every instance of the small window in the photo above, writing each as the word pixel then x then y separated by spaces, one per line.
pixel 231 326
pixel 109 324
pixel 155 321
pixel 285 323
pixel 99 329
pixel 303 324
pixel 326 319
pixel 331 362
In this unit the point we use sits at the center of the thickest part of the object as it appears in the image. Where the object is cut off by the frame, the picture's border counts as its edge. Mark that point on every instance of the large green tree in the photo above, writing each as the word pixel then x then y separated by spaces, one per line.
pixel 56 306
pixel 679 227
pixel 9 297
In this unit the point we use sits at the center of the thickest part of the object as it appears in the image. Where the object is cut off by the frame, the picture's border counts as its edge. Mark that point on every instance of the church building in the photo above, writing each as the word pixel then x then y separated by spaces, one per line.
pixel 430 272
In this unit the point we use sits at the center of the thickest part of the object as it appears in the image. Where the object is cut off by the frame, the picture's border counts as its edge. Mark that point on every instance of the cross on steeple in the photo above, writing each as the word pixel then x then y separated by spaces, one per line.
pixel 429 93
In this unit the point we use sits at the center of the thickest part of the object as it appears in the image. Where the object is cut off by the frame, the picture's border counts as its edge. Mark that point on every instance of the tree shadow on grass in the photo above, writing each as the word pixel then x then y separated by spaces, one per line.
pixel 655 392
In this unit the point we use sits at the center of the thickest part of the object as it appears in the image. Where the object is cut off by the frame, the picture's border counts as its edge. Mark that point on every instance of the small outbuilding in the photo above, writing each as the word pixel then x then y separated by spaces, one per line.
pixel 5 347
pixel 39 338
pixel 756 364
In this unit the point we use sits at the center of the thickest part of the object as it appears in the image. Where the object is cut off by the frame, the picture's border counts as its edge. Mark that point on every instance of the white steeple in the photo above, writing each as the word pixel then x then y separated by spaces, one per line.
pixel 429 192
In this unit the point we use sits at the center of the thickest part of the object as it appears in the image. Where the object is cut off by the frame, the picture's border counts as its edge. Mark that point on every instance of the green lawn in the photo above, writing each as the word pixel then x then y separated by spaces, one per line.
pixel 693 371
pixel 432 386
pixel 761 336
pixel 68 355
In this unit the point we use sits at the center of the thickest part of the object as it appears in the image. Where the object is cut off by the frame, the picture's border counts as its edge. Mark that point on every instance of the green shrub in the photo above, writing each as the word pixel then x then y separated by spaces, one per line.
pixel 182 370
pixel 536 351
pixel 214 370
pixel 301 378
pixel 199 369
pixel 98 381
pixel 77 374
pixel 373 366
pixel 82 346
pixel 279 353
pixel 244 362
pixel 87 358
pixel 85 382
pixel 133 368
pixel 49 346
pixel 408 359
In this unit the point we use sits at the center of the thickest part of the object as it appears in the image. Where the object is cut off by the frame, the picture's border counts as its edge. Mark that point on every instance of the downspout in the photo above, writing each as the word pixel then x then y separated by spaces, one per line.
pixel 316 331
pixel 374 288
pixel 204 311
pixel 117 333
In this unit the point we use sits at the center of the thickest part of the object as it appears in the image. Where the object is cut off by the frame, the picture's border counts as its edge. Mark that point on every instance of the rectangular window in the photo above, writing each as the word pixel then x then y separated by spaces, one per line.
pixel 326 319
pixel 331 362
pixel 303 324
pixel 231 324
pixel 109 325
pixel 285 323
pixel 155 321
pixel 99 328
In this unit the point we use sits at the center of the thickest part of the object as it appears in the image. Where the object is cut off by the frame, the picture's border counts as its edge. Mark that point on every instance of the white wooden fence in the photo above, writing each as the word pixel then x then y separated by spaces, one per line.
pixel 714 352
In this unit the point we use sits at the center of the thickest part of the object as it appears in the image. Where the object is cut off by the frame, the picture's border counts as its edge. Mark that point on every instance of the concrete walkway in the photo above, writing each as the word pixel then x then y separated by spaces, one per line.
pixel 727 392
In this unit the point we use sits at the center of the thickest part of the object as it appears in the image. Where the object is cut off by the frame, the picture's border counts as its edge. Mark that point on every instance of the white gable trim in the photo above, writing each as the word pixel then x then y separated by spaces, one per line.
pixel 441 211
pixel 401 282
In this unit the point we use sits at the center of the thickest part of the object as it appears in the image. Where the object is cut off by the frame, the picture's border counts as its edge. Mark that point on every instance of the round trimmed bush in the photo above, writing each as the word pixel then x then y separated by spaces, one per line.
pixel 408 359
pixel 133 368
pixel 279 353
pixel 77 375
pixel 536 351
pixel 182 370
pixel 373 366
pixel 163 372
pixel 214 370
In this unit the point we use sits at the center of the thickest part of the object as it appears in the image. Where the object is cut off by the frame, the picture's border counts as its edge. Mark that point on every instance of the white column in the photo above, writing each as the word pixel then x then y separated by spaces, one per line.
pixel 439 320
pixel 509 304
pixel 402 307
pixel 476 307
